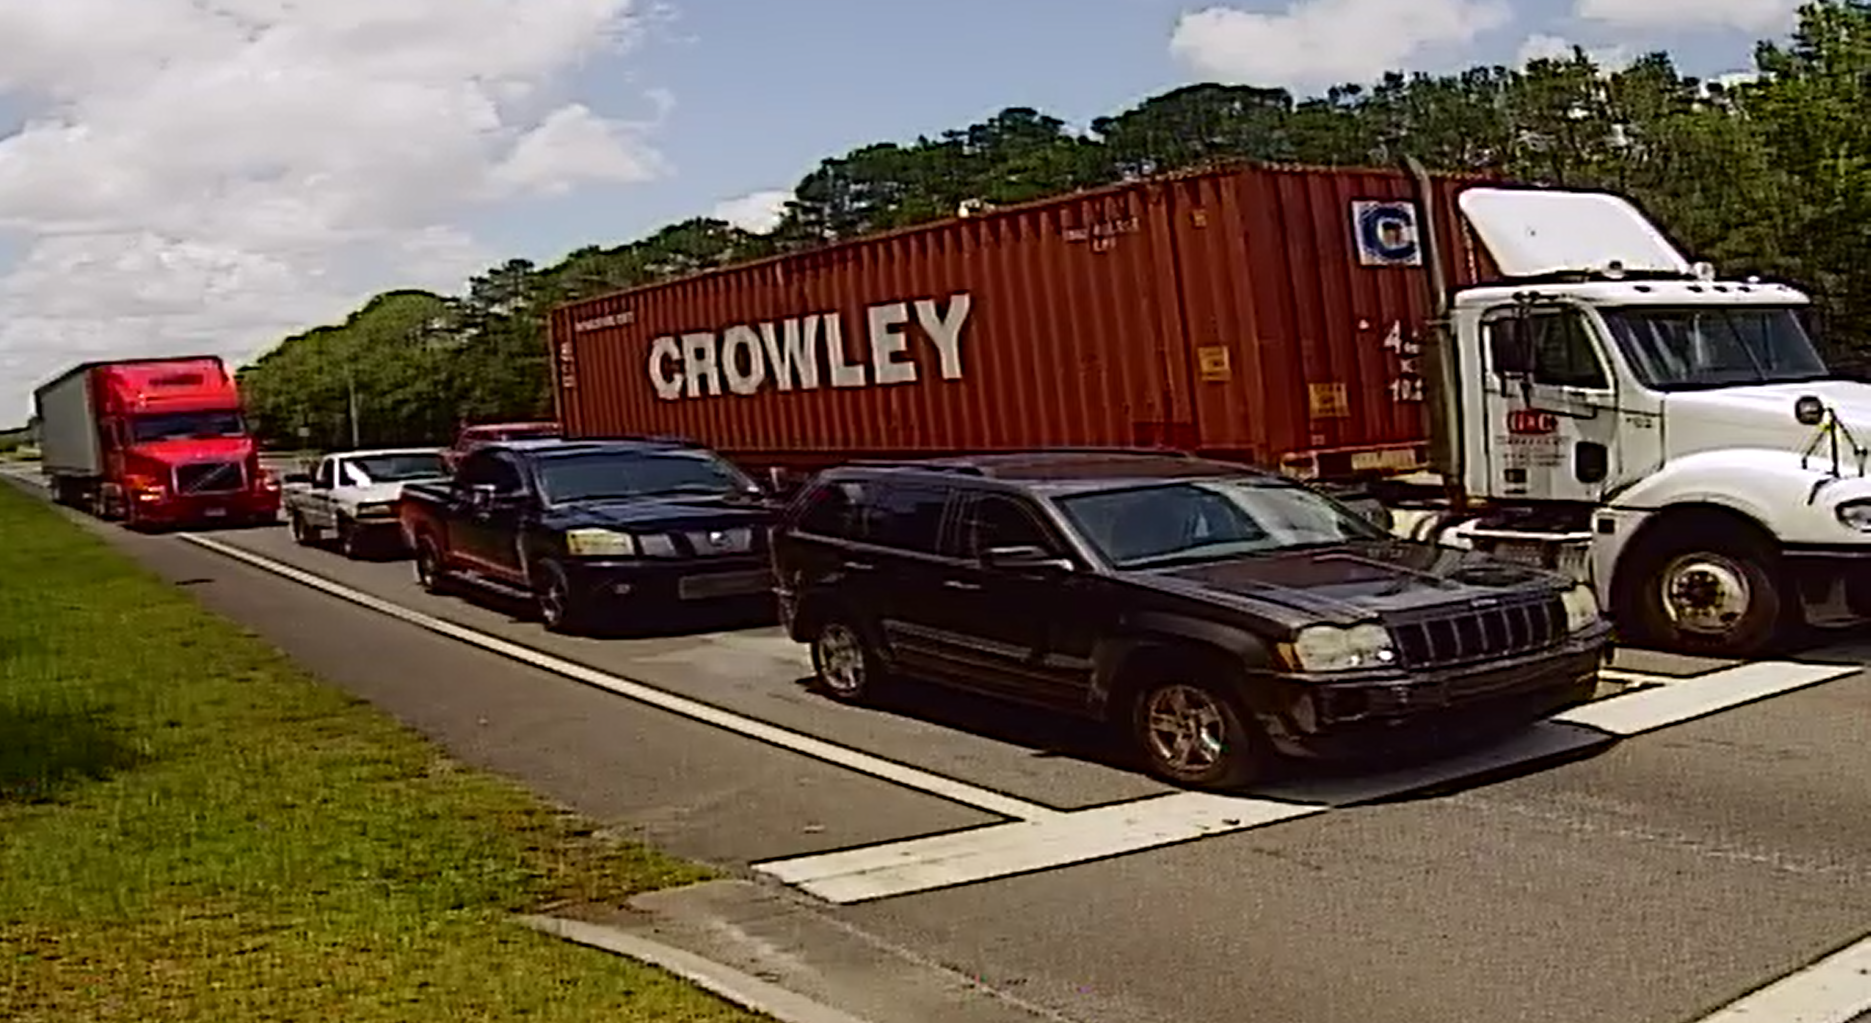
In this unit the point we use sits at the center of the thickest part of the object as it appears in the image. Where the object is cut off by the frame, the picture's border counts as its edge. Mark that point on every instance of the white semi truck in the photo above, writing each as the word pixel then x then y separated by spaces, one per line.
pixel 1676 440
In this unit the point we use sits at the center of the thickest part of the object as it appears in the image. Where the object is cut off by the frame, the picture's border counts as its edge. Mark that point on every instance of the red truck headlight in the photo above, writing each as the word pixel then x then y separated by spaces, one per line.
pixel 147 489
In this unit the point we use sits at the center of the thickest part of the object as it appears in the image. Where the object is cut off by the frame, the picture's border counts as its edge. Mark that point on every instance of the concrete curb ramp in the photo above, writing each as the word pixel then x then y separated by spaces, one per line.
pixel 742 989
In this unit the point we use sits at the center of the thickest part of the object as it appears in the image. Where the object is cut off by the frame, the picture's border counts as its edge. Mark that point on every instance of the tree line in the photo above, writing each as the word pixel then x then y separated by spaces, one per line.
pixel 1770 176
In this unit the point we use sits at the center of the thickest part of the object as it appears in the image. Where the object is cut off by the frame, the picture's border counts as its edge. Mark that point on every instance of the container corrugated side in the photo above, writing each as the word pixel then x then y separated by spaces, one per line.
pixel 1307 316
pixel 1235 312
pixel 1072 336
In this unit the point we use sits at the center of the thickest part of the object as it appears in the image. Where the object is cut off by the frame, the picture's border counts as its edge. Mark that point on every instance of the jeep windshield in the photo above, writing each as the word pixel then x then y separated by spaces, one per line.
pixel 1188 522
pixel 606 475
pixel 1700 347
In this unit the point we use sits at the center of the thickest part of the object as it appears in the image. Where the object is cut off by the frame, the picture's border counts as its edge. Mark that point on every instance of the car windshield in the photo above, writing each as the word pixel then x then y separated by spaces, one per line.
pixel 394 468
pixel 187 426
pixel 586 477
pixel 1211 520
pixel 1681 349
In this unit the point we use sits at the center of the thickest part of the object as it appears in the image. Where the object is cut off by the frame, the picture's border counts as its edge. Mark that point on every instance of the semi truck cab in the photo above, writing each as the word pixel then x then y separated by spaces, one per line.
pixel 154 442
pixel 1675 439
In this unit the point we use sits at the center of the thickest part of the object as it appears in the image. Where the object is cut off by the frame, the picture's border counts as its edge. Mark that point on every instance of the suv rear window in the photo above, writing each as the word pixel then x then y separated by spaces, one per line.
pixel 906 516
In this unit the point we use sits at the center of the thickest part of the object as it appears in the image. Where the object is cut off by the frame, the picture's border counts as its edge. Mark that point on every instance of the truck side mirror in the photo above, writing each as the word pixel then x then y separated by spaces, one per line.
pixel 1514 352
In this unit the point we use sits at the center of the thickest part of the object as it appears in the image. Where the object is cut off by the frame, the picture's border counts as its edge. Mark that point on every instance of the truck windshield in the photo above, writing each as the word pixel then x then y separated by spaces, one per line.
pixel 1211 520
pixel 394 468
pixel 187 426
pixel 1680 349
pixel 591 477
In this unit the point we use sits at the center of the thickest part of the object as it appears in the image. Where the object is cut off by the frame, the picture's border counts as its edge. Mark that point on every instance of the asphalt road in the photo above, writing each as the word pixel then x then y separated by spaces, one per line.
pixel 1651 882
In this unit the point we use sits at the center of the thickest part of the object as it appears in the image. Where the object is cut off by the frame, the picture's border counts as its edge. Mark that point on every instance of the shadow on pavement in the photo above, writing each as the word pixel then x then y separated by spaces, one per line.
pixel 1440 770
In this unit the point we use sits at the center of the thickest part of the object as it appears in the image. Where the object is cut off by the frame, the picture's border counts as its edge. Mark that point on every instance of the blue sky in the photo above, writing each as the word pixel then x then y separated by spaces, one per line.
pixel 763 91
pixel 177 177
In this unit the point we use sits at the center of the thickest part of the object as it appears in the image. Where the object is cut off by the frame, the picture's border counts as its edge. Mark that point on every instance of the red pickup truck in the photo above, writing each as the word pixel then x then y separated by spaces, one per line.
pixel 479 436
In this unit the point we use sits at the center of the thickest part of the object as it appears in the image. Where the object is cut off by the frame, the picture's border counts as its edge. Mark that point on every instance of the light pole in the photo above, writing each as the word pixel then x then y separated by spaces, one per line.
pixel 350 388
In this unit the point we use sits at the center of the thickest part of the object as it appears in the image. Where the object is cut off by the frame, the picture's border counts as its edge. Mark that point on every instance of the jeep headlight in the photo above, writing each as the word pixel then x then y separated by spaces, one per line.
pixel 1328 648
pixel 376 510
pixel 1581 608
pixel 1856 514
pixel 600 543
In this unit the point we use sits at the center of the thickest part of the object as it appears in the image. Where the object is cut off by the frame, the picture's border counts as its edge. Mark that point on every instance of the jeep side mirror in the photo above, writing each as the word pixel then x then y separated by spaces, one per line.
pixel 1026 559
pixel 1514 354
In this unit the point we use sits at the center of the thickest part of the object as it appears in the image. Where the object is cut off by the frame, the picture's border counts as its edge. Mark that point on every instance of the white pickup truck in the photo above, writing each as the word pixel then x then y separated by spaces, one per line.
pixel 352 496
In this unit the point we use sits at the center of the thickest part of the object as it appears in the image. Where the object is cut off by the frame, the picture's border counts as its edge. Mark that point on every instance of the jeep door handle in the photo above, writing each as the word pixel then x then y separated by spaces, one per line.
pixel 860 566
pixel 957 584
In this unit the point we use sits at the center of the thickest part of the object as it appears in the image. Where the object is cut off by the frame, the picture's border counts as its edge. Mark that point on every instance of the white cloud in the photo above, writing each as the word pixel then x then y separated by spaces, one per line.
pixel 1550 47
pixel 1322 42
pixel 1748 15
pixel 1733 79
pixel 213 174
pixel 759 212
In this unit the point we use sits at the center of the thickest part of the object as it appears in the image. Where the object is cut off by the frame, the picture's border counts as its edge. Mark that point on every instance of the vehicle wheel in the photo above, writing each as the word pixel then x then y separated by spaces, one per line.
pixel 844 663
pixel 431 573
pixel 1191 732
pixel 559 605
pixel 350 541
pixel 1699 593
pixel 302 534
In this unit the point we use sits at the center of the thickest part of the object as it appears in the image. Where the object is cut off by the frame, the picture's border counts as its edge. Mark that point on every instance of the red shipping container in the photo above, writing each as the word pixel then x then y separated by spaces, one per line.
pixel 1270 314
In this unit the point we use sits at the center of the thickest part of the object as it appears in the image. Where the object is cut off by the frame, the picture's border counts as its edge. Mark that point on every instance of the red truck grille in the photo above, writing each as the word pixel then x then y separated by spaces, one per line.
pixel 210 478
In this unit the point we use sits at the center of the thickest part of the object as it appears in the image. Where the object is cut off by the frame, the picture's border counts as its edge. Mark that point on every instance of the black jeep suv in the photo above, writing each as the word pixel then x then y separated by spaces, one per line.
pixel 1220 615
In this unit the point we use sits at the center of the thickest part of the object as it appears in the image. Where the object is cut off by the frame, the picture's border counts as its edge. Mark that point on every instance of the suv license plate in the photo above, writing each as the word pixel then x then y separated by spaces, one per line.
pixel 726 584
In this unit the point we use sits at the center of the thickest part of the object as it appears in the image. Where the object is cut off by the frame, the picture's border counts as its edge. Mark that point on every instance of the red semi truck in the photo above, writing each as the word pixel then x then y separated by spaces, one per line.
pixel 154 442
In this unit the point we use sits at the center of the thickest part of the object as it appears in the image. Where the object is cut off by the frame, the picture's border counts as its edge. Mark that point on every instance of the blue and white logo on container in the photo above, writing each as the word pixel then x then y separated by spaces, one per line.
pixel 1386 231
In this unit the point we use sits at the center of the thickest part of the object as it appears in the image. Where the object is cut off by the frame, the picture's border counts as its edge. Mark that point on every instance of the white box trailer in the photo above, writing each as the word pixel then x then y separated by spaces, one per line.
pixel 68 419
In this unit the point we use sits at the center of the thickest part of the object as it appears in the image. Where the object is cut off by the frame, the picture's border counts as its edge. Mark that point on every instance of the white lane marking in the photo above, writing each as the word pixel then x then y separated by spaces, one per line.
pixel 1835 989
pixel 1005 850
pixel 773 735
pixel 1647 710
pixel 1639 678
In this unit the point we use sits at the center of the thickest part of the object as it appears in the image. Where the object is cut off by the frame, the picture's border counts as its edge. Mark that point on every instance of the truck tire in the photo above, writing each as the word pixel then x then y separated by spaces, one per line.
pixel 350 541
pixel 303 534
pixel 1708 590
pixel 431 571
pixel 561 607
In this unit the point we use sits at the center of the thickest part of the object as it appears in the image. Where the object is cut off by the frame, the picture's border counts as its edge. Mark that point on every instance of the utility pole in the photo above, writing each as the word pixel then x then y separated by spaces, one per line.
pixel 350 387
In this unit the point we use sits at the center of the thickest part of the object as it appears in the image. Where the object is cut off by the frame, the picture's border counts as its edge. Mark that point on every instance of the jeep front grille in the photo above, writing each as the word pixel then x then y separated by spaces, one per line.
pixel 1480 635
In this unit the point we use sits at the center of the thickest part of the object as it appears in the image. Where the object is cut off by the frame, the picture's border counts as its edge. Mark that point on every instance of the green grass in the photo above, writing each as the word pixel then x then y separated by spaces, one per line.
pixel 192 829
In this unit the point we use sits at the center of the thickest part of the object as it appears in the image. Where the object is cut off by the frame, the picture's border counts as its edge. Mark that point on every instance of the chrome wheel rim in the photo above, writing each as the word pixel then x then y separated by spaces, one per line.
pixel 552 602
pixel 1186 728
pixel 1705 593
pixel 425 567
pixel 841 660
